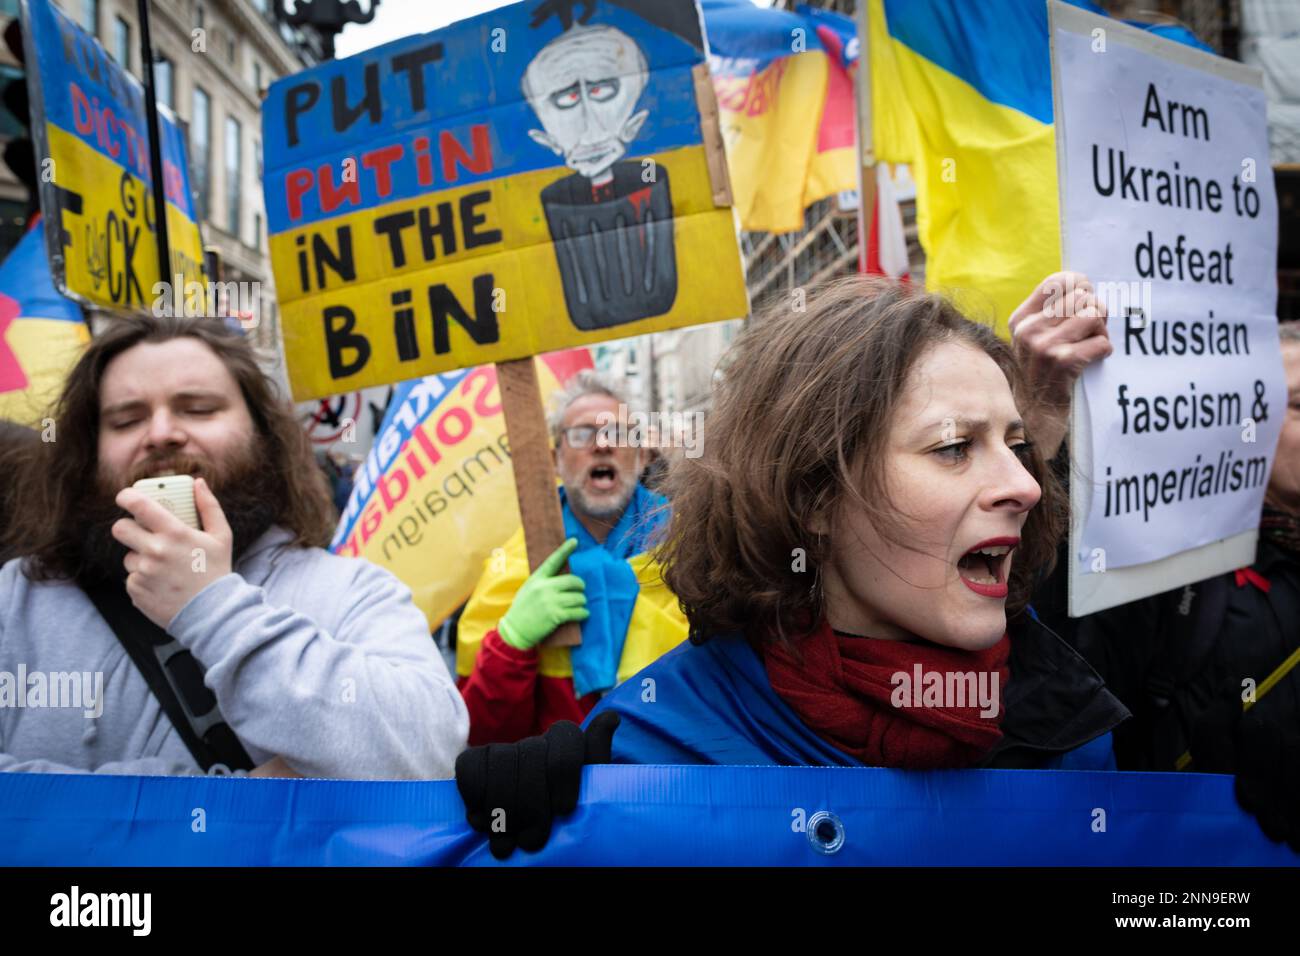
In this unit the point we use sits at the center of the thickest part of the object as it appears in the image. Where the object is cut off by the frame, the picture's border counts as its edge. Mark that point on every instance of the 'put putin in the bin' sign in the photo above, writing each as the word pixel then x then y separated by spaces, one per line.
pixel 513 184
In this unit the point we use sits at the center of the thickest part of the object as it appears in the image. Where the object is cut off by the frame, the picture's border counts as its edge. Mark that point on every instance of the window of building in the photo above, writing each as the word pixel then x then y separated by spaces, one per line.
pixel 257 157
pixel 90 17
pixel 163 79
pixel 122 42
pixel 200 147
pixel 257 77
pixel 198 16
pixel 232 50
pixel 233 171
pixel 257 231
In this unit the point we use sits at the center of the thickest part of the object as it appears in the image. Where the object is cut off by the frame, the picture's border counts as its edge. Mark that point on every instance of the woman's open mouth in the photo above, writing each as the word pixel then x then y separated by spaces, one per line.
pixel 985 568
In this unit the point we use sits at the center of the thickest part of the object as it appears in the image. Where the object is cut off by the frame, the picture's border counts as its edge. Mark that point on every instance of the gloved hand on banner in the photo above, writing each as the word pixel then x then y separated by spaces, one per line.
pixel 513 791
pixel 1265 758
pixel 546 600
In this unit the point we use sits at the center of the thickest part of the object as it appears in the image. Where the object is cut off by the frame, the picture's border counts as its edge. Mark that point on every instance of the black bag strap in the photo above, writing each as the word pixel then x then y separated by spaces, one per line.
pixel 175 678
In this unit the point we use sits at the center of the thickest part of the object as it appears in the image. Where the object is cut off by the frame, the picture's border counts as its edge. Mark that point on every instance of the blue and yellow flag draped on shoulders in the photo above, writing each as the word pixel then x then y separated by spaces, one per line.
pixel 634 618
pixel 963 93
pixel 439 478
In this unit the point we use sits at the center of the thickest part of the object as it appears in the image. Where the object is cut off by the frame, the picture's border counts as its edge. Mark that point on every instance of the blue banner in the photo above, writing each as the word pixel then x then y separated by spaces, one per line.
pixel 647 816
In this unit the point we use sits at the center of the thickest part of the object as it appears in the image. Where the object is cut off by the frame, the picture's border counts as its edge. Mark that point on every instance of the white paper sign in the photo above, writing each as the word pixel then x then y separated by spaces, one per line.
pixel 1168 206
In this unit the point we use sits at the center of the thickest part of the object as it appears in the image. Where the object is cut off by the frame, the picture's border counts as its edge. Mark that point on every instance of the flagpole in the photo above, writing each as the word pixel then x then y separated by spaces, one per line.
pixel 866 149
pixel 155 152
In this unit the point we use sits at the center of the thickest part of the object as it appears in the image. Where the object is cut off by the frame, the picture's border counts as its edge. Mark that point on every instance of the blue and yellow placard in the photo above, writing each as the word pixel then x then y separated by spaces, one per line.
pixel 510 185
pixel 92 154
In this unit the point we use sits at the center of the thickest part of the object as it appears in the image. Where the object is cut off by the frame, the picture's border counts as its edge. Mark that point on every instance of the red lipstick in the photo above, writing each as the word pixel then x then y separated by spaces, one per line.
pixel 998 589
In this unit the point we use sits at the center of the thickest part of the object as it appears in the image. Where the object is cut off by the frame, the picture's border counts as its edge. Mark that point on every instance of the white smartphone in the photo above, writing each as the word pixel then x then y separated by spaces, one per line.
pixel 175 493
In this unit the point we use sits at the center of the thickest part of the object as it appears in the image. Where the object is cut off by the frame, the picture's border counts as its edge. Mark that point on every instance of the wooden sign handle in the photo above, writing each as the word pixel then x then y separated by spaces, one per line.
pixel 715 153
pixel 530 454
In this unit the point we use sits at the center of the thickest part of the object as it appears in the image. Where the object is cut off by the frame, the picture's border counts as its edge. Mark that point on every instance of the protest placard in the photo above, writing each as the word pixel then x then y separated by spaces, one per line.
pixel 1168 206
pixel 440 470
pixel 509 185
pixel 92 153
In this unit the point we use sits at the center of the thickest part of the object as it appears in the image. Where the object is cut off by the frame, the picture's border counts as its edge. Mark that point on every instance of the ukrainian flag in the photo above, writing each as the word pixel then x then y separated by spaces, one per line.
pixel 784 85
pixel 42 333
pixel 962 92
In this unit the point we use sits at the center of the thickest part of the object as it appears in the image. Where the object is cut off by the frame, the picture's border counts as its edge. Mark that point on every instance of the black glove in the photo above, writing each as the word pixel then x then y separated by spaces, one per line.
pixel 1268 777
pixel 1265 758
pixel 512 791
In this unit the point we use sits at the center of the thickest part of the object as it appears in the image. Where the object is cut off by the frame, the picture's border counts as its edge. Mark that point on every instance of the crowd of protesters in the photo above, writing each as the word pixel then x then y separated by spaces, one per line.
pixel 881 493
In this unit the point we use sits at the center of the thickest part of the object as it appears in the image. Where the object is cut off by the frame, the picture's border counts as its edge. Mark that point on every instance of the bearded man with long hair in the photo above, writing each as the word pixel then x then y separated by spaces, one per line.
pixel 319 665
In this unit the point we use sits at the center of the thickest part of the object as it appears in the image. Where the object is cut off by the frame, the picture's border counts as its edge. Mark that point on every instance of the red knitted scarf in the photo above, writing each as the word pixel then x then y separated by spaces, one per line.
pixel 861 696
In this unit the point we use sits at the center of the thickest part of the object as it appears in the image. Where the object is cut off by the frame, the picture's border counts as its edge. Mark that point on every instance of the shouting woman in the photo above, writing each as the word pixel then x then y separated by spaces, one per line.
pixel 854 552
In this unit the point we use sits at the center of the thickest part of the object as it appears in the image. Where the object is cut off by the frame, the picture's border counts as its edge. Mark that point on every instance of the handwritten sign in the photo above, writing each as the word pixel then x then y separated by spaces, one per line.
pixel 503 187
pixel 92 152
pixel 1168 206
pixel 439 476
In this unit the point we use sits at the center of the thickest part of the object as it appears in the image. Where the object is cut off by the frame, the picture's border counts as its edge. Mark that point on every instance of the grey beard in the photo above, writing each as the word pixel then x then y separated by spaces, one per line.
pixel 579 502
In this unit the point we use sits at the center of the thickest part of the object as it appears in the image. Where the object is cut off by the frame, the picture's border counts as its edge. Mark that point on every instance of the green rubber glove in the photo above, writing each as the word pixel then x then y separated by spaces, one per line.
pixel 546 601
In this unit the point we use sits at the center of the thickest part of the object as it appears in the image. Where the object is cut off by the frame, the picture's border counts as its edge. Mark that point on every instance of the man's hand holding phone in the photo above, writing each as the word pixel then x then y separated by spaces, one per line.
pixel 170 562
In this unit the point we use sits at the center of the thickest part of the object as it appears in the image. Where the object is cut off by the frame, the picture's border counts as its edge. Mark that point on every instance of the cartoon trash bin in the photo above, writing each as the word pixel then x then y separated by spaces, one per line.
pixel 611 224
pixel 615 250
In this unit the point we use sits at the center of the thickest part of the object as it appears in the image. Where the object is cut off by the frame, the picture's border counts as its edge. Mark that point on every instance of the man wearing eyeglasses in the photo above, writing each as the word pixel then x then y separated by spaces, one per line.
pixel 513 685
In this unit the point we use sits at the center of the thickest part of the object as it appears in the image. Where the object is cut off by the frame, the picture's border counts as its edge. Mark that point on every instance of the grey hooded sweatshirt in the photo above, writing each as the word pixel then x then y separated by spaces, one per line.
pixel 318 659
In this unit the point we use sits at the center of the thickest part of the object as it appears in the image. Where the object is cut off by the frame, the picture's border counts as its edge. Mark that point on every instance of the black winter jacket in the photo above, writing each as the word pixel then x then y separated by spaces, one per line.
pixel 1168 656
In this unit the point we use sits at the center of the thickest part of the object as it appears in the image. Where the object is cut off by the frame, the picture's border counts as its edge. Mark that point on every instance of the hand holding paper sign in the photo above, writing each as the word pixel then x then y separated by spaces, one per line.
pixel 1057 332
pixel 1176 430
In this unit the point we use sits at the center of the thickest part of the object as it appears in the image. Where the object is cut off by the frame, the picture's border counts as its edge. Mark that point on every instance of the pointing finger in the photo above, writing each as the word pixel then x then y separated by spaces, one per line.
pixel 557 558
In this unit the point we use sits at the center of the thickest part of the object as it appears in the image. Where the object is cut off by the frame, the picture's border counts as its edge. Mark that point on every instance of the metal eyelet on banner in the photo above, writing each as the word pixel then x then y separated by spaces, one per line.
pixel 825 832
